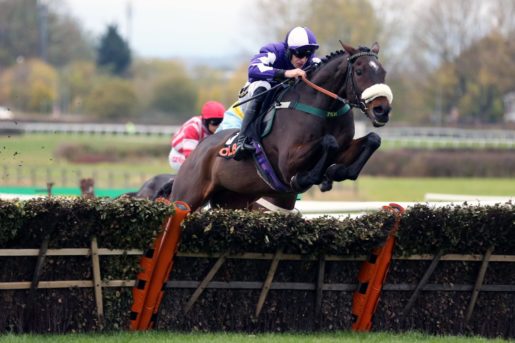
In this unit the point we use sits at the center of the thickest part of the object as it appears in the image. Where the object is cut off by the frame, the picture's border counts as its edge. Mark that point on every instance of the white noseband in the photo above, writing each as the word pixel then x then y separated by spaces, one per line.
pixel 375 91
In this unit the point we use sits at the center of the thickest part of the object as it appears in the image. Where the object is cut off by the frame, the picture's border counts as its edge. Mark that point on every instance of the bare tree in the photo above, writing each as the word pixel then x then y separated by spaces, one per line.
pixel 274 18
pixel 503 16
pixel 445 28
pixel 352 21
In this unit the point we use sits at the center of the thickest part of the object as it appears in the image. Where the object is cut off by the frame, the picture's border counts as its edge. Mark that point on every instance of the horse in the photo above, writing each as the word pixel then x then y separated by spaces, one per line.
pixel 159 186
pixel 311 141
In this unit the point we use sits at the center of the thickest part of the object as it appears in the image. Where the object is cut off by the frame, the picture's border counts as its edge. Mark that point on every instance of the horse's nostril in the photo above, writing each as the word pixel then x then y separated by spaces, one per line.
pixel 378 110
pixel 381 111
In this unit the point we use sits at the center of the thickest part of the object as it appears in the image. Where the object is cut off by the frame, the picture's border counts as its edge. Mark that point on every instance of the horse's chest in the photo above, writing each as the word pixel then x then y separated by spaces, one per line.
pixel 341 133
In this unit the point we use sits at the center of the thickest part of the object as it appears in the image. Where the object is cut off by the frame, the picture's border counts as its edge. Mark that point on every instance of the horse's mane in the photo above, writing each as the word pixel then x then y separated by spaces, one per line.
pixel 326 59
pixel 332 55
pixel 337 53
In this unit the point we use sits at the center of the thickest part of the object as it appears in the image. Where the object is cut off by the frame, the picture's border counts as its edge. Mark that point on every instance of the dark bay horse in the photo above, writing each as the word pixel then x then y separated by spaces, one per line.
pixel 155 187
pixel 311 142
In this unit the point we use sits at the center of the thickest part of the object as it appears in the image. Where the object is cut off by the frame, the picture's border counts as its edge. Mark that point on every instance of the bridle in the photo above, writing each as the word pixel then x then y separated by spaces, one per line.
pixel 358 102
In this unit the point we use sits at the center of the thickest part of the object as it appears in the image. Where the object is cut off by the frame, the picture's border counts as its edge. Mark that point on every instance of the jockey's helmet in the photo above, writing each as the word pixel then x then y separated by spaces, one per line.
pixel 212 110
pixel 212 114
pixel 301 42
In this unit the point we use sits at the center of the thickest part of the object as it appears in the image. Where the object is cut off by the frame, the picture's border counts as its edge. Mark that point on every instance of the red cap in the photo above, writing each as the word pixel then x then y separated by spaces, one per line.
pixel 212 109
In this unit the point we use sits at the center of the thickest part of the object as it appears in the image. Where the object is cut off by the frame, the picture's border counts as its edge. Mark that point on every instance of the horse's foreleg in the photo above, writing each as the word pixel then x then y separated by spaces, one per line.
pixel 351 161
pixel 302 181
pixel 195 197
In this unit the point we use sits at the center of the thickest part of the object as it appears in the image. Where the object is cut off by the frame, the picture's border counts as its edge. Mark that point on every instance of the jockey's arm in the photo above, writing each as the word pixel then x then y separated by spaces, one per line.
pixel 261 67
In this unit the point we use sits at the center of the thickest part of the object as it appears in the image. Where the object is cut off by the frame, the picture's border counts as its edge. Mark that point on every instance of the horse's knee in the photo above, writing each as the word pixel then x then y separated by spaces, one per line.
pixel 299 184
pixel 329 142
pixel 373 141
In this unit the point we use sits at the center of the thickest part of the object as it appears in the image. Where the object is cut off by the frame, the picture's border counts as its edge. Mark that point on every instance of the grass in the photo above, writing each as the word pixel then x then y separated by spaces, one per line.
pixel 31 160
pixel 368 188
pixel 39 150
pixel 169 337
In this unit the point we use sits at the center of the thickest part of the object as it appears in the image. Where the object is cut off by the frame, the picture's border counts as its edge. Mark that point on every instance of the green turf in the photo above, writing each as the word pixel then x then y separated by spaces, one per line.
pixel 41 150
pixel 368 188
pixel 33 160
pixel 169 337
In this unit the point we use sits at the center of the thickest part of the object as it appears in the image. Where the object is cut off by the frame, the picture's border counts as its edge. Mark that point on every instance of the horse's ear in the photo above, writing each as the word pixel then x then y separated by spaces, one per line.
pixel 350 50
pixel 375 48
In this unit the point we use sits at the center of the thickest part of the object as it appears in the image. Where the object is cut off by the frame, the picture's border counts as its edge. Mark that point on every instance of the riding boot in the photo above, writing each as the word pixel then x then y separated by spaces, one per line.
pixel 244 144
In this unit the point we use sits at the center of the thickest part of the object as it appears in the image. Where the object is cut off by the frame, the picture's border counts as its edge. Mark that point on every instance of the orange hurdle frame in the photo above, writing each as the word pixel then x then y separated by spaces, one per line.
pixel 156 266
pixel 371 277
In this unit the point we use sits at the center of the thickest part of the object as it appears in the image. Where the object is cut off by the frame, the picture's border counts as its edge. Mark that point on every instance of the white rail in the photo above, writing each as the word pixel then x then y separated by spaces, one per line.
pixel 468 198
pixel 425 136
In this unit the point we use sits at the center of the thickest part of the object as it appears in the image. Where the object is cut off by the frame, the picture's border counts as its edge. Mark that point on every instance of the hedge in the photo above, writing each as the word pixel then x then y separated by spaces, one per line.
pixel 128 224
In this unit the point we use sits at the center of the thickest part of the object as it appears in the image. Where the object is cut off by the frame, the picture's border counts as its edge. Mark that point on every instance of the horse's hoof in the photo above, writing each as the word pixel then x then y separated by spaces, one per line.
pixel 294 184
pixel 326 186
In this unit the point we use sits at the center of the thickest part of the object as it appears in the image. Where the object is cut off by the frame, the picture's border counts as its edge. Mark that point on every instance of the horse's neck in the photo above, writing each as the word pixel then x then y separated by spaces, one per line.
pixel 332 76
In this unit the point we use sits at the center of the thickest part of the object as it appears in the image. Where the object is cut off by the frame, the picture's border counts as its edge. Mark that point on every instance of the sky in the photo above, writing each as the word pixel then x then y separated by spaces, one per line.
pixel 173 28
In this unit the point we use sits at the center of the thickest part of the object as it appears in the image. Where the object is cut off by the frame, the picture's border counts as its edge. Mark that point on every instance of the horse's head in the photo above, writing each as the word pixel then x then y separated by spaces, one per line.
pixel 365 85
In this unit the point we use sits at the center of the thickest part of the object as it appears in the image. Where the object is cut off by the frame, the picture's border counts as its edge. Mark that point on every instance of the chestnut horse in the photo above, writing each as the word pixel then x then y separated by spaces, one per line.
pixel 311 141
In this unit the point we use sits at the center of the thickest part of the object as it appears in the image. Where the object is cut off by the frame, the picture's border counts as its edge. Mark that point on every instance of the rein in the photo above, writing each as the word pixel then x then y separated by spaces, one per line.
pixel 323 90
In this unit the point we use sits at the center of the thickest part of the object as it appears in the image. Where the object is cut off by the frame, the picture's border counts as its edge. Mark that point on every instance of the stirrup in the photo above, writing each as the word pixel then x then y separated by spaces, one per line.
pixel 243 150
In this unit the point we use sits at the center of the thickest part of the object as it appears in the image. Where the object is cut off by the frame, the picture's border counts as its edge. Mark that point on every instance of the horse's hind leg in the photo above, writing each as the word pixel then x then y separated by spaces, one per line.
pixel 302 181
pixel 352 161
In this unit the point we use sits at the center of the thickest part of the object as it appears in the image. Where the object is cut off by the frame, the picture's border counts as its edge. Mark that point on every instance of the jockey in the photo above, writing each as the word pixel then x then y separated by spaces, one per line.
pixel 274 63
pixel 193 131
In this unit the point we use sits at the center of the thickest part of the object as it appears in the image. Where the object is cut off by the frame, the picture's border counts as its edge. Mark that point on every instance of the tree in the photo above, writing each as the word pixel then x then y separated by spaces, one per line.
pixel 22 33
pixel 76 81
pixel 445 64
pixel 352 21
pixel 113 52
pixel 112 98
pixel 484 79
pixel 29 86
pixel 445 28
pixel 175 95
pixel 219 85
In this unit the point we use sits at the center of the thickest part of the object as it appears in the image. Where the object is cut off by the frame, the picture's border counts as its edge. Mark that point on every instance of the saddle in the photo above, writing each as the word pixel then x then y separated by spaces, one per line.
pixel 261 127
pixel 264 168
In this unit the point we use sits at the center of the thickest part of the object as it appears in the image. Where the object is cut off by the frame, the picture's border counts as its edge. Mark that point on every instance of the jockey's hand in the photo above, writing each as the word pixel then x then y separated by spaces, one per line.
pixel 293 73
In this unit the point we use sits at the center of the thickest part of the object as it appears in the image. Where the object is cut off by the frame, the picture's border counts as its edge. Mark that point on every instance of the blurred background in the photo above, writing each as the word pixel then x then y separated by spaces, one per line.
pixel 95 89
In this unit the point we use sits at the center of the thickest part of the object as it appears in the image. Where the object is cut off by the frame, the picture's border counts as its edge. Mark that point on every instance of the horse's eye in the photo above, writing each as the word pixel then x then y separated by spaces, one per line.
pixel 359 72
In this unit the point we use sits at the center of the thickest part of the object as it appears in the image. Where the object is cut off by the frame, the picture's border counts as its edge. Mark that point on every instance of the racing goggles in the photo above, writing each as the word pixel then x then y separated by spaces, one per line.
pixel 301 53
pixel 214 121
